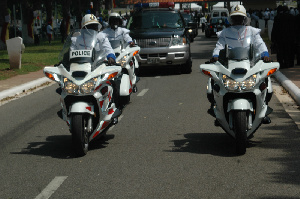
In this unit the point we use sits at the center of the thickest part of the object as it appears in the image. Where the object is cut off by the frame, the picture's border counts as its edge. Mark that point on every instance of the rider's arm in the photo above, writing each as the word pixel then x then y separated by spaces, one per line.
pixel 126 36
pixel 104 43
pixel 219 46
pixel 260 44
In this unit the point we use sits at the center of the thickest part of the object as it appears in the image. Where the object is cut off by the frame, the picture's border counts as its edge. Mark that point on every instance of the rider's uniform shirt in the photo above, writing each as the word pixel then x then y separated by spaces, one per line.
pixel 102 44
pixel 118 34
pixel 240 36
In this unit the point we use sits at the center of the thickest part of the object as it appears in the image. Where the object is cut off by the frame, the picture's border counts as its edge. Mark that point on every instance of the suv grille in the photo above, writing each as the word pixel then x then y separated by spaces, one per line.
pixel 154 43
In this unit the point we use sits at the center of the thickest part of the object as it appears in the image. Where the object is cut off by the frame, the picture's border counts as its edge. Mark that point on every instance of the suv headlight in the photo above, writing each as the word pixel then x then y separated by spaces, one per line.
pixel 177 40
pixel 232 85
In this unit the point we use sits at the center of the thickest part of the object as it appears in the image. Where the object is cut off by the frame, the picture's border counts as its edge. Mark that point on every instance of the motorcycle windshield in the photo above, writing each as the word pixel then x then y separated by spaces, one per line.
pixel 244 50
pixel 239 53
pixel 82 46
pixel 117 46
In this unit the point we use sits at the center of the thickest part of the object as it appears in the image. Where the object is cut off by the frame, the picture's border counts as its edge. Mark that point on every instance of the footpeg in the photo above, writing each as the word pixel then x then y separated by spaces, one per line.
pixel 134 89
pixel 115 121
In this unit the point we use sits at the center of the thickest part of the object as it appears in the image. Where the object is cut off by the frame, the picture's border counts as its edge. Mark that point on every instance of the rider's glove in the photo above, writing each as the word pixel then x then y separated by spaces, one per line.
pixel 266 59
pixel 111 61
pixel 214 59
pixel 131 44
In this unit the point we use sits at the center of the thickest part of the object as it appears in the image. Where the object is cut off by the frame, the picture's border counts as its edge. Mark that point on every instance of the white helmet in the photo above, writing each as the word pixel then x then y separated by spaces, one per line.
pixel 238 10
pixel 114 15
pixel 90 19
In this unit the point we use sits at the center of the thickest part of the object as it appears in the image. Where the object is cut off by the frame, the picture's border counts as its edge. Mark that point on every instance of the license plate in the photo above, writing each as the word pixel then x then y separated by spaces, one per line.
pixel 153 60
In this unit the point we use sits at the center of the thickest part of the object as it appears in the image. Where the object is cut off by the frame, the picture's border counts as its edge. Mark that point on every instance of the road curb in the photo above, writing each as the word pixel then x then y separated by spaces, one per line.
pixel 293 90
pixel 23 88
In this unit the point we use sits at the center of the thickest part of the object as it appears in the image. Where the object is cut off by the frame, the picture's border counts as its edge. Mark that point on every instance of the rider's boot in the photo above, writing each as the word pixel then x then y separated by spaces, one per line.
pixel 266 120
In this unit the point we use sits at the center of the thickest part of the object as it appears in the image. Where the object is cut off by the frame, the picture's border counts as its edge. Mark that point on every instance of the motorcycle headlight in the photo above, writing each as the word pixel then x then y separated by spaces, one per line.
pixel 85 88
pixel 122 61
pixel 70 87
pixel 88 86
pixel 232 85
pixel 177 40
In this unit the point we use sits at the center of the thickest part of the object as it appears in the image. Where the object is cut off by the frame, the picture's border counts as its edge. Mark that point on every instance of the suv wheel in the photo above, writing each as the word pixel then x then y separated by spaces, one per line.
pixel 187 67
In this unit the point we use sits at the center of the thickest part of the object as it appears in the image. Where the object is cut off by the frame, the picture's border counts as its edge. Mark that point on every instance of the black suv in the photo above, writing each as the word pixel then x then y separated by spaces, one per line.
pixel 163 37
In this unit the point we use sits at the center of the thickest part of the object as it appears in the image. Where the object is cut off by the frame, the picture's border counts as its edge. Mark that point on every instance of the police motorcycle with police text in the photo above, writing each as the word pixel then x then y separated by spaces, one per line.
pixel 86 81
pixel 239 92
pixel 125 57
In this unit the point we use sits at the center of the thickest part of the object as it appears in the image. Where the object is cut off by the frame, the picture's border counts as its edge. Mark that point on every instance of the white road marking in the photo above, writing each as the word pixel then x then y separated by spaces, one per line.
pixel 119 118
pixel 157 77
pixel 52 187
pixel 142 93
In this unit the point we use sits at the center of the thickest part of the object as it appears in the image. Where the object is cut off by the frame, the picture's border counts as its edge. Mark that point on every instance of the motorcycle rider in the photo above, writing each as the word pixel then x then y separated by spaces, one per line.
pixel 114 32
pixel 89 21
pixel 235 36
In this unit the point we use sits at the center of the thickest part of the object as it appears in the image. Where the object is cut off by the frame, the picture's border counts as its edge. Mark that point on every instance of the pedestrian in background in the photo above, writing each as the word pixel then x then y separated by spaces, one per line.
pixel 267 16
pixel 49 32
pixel 283 35
pixel 62 29
pixel 36 35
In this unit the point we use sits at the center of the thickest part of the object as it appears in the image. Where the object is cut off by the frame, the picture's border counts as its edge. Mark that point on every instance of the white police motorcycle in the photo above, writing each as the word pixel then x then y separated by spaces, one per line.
pixel 239 92
pixel 125 56
pixel 87 82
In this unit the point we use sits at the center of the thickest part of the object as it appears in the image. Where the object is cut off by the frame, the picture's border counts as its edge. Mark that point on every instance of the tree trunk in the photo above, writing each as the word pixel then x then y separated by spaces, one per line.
pixel 78 13
pixel 3 23
pixel 66 17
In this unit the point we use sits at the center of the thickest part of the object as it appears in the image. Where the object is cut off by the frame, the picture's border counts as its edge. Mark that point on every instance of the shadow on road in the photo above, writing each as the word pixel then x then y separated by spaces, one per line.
pixel 219 144
pixel 60 146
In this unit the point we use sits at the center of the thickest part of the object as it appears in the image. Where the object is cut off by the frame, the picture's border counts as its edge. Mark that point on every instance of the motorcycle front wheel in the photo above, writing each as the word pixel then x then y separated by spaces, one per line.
pixel 240 129
pixel 80 139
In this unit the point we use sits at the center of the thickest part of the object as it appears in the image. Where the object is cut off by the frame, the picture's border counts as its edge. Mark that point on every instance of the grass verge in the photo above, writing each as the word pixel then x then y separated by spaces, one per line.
pixel 35 58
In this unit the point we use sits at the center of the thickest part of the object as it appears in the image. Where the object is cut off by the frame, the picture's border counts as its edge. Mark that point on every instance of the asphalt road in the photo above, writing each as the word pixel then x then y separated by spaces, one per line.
pixel 164 146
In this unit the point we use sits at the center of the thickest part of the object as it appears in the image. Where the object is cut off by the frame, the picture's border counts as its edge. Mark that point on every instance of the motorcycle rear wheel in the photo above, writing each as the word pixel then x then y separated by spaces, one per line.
pixel 80 138
pixel 240 129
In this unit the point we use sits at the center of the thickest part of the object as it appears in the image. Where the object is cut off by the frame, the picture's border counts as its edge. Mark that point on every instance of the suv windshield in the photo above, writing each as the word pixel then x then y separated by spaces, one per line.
pixel 187 18
pixel 155 19
pixel 216 20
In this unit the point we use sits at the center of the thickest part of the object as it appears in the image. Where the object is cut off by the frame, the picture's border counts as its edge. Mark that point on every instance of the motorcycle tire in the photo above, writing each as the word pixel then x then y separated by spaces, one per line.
pixel 80 138
pixel 240 129
pixel 125 100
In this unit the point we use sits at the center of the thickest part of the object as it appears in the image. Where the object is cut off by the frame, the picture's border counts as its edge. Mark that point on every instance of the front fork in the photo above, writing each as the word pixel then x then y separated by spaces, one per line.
pixel 240 104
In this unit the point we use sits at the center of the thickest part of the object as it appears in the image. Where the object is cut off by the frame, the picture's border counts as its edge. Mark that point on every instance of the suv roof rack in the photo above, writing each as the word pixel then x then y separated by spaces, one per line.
pixel 155 5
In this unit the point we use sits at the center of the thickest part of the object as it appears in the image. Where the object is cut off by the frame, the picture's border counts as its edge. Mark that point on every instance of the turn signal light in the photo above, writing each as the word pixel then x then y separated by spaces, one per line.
pixel 50 76
pixel 112 75
pixel 136 52
pixel 206 73
pixel 271 71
